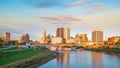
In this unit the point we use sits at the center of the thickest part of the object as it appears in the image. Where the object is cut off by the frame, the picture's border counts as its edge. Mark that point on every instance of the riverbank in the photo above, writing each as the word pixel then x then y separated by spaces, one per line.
pixel 115 51
pixel 33 61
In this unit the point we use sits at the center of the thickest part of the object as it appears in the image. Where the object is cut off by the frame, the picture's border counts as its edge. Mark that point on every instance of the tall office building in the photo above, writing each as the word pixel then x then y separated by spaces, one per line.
pixel 57 32
pixel 60 32
pixel 83 37
pixel 22 38
pixel 6 36
pixel 97 36
pixel 77 36
pixel 66 33
pixel 25 38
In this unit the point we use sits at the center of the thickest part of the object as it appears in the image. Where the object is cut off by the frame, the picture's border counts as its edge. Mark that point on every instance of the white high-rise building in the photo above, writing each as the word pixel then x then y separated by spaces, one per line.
pixel 66 33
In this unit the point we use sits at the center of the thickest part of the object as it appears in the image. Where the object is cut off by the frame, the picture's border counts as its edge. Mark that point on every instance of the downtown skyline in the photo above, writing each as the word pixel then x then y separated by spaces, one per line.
pixel 81 16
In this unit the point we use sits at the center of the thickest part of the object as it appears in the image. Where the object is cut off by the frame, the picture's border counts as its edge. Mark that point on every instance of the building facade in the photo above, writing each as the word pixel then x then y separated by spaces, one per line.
pixel 66 33
pixel 60 32
pixel 6 36
pixel 25 38
pixel 57 40
pixel 113 40
pixel 84 37
pixel 43 39
pixel 97 36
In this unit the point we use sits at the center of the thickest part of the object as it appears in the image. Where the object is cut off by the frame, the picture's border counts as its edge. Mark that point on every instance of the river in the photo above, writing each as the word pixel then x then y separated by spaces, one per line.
pixel 84 59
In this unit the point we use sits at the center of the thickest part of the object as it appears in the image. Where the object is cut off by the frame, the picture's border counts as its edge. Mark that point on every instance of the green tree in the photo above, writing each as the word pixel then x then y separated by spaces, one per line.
pixel 13 42
pixel 117 43
pixel 1 41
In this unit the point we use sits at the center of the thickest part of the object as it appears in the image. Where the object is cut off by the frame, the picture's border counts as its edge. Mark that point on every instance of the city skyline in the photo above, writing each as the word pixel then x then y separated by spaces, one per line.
pixel 32 16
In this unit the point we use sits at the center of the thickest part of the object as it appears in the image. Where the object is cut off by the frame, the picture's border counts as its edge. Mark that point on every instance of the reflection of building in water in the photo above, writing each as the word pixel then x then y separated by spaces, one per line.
pixel 59 59
pixel 96 60
pixel 63 60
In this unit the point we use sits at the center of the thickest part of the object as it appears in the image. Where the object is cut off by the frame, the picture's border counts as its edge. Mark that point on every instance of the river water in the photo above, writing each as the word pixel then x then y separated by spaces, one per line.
pixel 84 59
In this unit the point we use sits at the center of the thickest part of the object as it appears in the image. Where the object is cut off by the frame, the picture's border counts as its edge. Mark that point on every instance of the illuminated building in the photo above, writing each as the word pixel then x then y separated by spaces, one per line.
pixel 113 40
pixel 97 36
pixel 83 37
pixel 25 38
pixel 43 38
pixel 60 32
pixel 6 36
pixel 66 33
pixel 57 40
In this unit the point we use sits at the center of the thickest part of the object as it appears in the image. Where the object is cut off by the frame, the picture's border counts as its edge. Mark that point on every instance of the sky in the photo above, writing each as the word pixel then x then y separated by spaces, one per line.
pixel 82 16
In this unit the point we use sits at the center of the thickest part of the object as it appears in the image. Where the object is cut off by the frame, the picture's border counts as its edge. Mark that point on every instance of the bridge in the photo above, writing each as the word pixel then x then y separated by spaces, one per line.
pixel 61 47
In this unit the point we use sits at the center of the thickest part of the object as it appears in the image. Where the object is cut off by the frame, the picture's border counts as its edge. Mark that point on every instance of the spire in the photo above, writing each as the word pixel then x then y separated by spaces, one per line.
pixel 44 33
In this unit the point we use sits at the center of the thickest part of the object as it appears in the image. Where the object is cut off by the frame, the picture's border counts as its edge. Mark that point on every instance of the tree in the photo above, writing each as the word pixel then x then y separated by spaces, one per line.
pixel 13 42
pixel 117 43
pixel 1 42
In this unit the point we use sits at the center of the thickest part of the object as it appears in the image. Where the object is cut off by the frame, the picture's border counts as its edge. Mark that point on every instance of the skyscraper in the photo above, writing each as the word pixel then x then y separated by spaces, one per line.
pixel 60 32
pixel 25 38
pixel 83 37
pixel 66 33
pixel 6 36
pixel 77 36
pixel 57 32
pixel 22 38
pixel 97 36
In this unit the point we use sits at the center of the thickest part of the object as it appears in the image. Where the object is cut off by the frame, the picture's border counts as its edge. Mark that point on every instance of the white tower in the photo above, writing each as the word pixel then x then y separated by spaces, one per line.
pixel 66 33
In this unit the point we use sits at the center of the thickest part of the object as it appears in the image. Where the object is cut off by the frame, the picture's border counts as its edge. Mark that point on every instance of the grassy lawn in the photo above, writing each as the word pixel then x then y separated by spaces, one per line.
pixel 12 55
pixel 1 47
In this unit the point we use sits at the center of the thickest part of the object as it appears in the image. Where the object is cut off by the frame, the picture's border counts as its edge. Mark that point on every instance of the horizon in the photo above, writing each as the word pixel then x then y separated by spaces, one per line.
pixel 82 16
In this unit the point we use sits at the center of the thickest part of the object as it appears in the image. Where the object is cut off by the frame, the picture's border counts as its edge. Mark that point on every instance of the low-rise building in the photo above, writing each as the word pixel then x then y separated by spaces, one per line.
pixel 113 40
pixel 70 41
pixel 57 40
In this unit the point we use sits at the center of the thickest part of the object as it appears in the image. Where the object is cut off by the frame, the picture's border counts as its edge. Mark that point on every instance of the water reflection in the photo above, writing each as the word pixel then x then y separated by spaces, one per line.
pixel 96 60
pixel 84 59
pixel 63 60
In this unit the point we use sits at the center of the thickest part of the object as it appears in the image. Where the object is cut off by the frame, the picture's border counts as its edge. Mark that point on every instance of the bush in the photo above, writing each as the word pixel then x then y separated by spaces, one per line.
pixel 66 47
pixel 79 47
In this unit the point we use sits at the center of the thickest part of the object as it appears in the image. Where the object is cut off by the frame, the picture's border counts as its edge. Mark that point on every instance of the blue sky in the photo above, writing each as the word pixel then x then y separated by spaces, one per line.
pixel 82 16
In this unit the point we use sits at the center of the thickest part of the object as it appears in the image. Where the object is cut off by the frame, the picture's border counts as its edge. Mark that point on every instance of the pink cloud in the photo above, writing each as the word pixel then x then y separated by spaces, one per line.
pixel 96 6
pixel 62 18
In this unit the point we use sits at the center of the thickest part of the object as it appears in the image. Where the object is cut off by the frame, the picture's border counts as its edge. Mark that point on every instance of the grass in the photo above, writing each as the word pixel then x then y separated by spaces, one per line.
pixel 12 55
pixel 1 46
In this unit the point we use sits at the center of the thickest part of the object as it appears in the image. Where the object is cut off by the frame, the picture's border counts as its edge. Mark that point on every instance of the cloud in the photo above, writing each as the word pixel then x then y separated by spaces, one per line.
pixel 96 6
pixel 90 6
pixel 61 18
pixel 52 3
pixel 42 3
pixel 79 2
pixel 59 23
pixel 47 4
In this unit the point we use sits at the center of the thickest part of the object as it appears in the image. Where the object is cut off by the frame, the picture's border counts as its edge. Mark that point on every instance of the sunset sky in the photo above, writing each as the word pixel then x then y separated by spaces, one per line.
pixel 82 16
